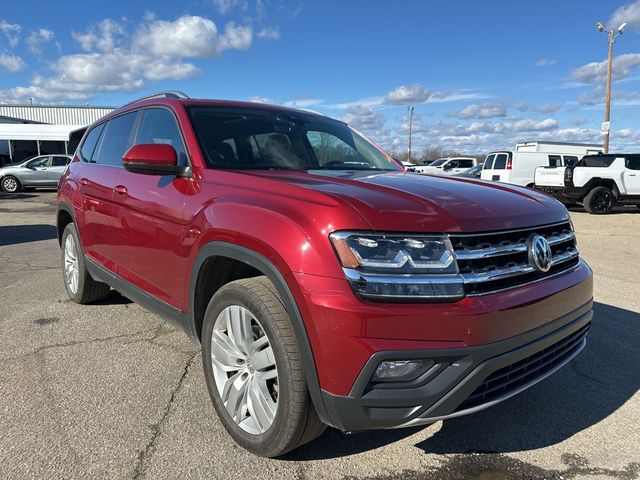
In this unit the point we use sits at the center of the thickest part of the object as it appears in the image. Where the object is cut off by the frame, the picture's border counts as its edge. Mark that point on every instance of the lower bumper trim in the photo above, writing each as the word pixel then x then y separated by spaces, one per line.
pixel 478 408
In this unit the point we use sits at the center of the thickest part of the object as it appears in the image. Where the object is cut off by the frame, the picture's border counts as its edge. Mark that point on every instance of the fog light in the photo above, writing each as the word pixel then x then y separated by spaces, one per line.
pixel 400 370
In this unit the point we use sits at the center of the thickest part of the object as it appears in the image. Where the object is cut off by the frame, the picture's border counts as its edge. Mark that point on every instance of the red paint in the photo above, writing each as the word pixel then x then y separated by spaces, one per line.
pixel 153 154
pixel 151 232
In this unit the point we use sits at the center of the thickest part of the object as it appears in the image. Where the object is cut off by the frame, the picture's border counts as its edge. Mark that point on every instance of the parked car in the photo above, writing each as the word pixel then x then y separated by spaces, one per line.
pixel 41 171
pixel 410 167
pixel 599 182
pixel 473 172
pixel 447 166
pixel 294 252
pixel 519 167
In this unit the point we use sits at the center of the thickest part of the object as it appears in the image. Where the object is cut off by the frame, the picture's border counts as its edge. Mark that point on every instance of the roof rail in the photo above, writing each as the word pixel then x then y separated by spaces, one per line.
pixel 167 94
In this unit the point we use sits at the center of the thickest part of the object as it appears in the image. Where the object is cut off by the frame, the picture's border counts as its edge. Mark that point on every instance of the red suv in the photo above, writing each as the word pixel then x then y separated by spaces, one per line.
pixel 326 285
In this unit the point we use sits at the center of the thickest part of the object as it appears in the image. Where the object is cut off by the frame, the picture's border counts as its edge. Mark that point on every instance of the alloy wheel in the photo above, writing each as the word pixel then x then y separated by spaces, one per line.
pixel 603 202
pixel 10 185
pixel 71 267
pixel 245 369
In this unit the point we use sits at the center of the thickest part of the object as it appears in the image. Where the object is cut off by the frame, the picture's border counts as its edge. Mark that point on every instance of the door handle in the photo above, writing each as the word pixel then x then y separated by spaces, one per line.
pixel 121 190
pixel 83 181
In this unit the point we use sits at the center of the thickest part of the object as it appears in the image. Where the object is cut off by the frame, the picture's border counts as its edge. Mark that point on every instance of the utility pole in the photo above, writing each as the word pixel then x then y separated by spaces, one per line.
pixel 410 130
pixel 613 34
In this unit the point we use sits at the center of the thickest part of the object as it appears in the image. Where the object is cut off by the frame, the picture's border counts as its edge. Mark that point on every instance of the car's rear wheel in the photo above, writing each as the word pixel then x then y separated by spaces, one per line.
pixel 253 369
pixel 600 200
pixel 11 184
pixel 80 286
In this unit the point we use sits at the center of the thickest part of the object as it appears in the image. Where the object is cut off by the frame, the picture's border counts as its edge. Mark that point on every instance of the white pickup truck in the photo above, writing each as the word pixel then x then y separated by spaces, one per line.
pixel 599 182
pixel 447 166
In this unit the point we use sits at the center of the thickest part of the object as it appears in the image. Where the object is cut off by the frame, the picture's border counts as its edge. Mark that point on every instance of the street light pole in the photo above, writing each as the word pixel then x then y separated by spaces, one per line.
pixel 410 130
pixel 607 108
pixel 613 34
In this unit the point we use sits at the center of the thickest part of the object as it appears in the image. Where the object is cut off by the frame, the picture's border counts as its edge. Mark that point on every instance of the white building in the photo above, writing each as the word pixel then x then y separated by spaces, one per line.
pixel 28 130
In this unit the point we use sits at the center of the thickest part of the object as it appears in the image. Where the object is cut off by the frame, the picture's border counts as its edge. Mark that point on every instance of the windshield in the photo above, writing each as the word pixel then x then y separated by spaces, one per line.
pixel 438 163
pixel 261 139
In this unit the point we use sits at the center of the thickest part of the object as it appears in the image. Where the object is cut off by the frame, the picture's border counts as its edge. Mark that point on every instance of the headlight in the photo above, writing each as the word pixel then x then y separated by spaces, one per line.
pixel 396 266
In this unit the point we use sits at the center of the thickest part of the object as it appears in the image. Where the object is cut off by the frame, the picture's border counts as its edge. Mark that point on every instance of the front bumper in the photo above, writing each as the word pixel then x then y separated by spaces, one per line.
pixel 463 380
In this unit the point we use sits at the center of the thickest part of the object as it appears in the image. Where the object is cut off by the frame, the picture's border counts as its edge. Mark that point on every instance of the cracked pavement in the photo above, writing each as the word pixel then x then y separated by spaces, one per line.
pixel 111 391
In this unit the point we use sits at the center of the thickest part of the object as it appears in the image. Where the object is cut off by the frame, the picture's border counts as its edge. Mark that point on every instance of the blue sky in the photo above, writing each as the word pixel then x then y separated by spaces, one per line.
pixel 482 75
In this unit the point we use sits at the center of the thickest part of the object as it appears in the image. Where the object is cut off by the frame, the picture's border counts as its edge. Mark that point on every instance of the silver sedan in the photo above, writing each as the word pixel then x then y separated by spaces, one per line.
pixel 41 171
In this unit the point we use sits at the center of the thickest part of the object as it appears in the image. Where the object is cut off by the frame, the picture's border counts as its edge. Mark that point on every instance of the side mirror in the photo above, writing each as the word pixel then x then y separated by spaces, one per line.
pixel 154 159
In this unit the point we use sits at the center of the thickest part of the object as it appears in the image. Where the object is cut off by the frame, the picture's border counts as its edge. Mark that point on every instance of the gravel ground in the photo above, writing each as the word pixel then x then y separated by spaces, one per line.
pixel 111 391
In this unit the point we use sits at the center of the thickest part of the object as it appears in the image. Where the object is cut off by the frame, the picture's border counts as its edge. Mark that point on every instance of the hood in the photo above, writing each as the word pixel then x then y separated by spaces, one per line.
pixel 402 202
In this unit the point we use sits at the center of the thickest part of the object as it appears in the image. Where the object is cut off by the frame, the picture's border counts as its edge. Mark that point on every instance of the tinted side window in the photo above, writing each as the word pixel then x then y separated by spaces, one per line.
pixel 501 161
pixel 90 142
pixel 633 162
pixel 601 161
pixel 159 126
pixel 59 161
pixel 38 162
pixel 488 162
pixel 116 140
pixel 555 161
pixel 466 163
pixel 570 161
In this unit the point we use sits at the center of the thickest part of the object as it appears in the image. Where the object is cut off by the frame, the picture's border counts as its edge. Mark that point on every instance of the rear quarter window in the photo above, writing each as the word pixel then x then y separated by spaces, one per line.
pixel 116 140
pixel 89 145
pixel 602 161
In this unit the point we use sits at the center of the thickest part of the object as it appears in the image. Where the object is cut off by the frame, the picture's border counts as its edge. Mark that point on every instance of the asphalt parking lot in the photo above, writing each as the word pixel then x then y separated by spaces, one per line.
pixel 110 391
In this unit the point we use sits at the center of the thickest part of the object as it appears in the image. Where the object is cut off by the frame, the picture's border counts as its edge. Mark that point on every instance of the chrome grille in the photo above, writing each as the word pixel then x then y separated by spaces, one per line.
pixel 489 262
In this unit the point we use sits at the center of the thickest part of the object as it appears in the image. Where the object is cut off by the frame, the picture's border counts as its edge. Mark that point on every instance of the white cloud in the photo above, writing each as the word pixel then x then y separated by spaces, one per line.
pixel 545 62
pixel 548 108
pixel 269 33
pixel 366 119
pixel 629 13
pixel 11 63
pixel 596 72
pixel 103 37
pixel 485 110
pixel 408 94
pixel 225 6
pixel 38 38
pixel 115 60
pixel 303 103
pixel 11 31
pixel 258 99
pixel 190 36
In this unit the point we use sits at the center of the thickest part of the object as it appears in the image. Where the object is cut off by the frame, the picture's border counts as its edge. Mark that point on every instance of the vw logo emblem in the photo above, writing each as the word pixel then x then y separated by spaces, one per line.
pixel 539 252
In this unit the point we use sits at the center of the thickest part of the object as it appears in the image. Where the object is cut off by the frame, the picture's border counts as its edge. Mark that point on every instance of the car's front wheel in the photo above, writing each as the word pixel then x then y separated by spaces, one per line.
pixel 10 184
pixel 253 369
pixel 80 286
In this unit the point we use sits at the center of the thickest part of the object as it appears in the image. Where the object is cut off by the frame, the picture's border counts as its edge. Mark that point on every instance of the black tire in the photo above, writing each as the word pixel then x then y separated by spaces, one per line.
pixel 88 290
pixel 11 184
pixel 599 201
pixel 296 421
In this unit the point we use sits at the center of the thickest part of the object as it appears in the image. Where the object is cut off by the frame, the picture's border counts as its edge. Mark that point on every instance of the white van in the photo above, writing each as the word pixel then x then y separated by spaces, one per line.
pixel 519 167
pixel 447 166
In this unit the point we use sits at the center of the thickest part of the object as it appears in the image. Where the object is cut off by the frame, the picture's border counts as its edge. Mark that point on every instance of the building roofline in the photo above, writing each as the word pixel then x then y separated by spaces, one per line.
pixel 27 105
pixel 575 144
